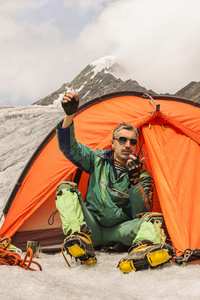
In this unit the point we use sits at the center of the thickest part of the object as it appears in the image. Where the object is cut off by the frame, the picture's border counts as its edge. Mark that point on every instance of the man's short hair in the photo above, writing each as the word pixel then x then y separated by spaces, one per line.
pixel 127 127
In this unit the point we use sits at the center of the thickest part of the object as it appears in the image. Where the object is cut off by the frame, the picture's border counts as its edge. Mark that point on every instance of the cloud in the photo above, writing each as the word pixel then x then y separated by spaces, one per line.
pixel 38 46
pixel 47 43
pixel 157 41
pixel 84 5
pixel 34 55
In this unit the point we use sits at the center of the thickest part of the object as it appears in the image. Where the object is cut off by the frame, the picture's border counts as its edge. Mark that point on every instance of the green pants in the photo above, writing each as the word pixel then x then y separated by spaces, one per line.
pixel 74 213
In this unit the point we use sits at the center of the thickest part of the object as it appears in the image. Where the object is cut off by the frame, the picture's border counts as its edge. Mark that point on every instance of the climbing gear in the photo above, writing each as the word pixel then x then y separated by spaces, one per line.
pixel 144 255
pixel 14 259
pixel 6 243
pixel 70 107
pixel 68 204
pixel 188 256
pixel 35 246
pixel 79 245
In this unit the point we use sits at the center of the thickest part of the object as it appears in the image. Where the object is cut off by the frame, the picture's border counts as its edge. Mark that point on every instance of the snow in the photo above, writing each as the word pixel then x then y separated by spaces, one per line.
pixel 100 281
pixel 105 62
pixel 57 102
pixel 86 94
pixel 81 87
pixel 22 129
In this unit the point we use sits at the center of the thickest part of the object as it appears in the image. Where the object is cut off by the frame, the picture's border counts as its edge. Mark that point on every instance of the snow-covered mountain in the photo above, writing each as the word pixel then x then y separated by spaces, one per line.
pixel 105 76
pixel 98 78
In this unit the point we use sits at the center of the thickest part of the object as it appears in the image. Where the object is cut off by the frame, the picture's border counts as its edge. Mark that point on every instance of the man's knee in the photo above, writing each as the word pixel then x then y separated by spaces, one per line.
pixel 151 229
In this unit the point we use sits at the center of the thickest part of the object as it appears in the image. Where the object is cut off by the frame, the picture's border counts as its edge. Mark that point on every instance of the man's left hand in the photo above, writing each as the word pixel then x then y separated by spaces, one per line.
pixel 134 166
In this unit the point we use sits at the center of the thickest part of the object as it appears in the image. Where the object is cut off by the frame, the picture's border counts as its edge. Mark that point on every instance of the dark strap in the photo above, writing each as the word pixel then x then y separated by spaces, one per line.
pixel 188 255
pixel 112 247
pixel 77 176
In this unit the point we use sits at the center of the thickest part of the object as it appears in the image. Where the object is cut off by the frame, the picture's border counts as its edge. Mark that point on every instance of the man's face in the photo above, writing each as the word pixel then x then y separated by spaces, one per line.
pixel 122 151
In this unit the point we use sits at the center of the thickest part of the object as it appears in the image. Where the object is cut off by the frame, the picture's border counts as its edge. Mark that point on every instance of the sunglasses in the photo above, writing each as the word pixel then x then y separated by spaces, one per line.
pixel 123 140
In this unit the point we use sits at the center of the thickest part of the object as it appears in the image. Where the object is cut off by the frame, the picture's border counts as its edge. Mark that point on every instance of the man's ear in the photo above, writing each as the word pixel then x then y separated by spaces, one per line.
pixel 112 144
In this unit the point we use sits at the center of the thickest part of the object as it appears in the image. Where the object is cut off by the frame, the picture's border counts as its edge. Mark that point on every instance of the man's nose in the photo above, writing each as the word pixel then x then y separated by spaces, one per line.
pixel 128 144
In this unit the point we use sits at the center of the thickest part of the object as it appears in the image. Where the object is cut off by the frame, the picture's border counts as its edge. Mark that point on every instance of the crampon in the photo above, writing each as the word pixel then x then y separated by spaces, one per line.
pixel 79 245
pixel 144 255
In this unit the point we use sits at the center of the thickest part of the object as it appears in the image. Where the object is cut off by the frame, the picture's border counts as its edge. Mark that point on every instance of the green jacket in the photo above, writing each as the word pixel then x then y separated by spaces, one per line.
pixel 109 196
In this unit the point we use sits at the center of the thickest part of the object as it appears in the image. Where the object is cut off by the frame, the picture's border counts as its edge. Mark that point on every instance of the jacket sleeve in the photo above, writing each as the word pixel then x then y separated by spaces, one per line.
pixel 80 155
pixel 141 194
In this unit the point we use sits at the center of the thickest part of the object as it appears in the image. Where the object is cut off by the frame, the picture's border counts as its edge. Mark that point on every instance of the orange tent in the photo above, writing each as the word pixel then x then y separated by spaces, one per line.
pixel 170 133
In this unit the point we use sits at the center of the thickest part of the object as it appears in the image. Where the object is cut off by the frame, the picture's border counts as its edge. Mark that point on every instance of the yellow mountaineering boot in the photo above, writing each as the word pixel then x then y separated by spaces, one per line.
pixel 144 254
pixel 79 245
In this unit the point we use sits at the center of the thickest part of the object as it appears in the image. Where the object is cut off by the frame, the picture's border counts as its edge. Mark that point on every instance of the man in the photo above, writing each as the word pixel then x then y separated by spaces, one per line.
pixel 118 200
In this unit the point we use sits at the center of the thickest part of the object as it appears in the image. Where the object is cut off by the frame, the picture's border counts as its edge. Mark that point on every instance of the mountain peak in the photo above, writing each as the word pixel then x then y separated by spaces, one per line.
pixel 99 78
pixel 105 62
pixel 105 76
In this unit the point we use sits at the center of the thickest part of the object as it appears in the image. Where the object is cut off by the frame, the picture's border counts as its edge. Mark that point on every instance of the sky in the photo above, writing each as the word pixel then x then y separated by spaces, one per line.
pixel 46 43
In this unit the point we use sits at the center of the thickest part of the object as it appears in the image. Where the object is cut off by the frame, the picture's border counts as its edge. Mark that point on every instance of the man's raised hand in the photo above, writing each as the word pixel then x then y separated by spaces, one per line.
pixel 70 103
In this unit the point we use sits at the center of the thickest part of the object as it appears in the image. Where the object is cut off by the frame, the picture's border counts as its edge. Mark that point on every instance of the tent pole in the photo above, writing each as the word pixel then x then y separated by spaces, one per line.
pixel 151 98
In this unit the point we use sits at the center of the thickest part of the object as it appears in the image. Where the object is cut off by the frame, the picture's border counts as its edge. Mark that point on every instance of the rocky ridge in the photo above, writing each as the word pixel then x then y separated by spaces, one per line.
pixel 190 92
pixel 97 79
pixel 103 77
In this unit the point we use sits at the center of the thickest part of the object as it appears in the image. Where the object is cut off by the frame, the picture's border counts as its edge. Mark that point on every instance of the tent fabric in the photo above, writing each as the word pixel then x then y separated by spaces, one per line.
pixel 171 138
